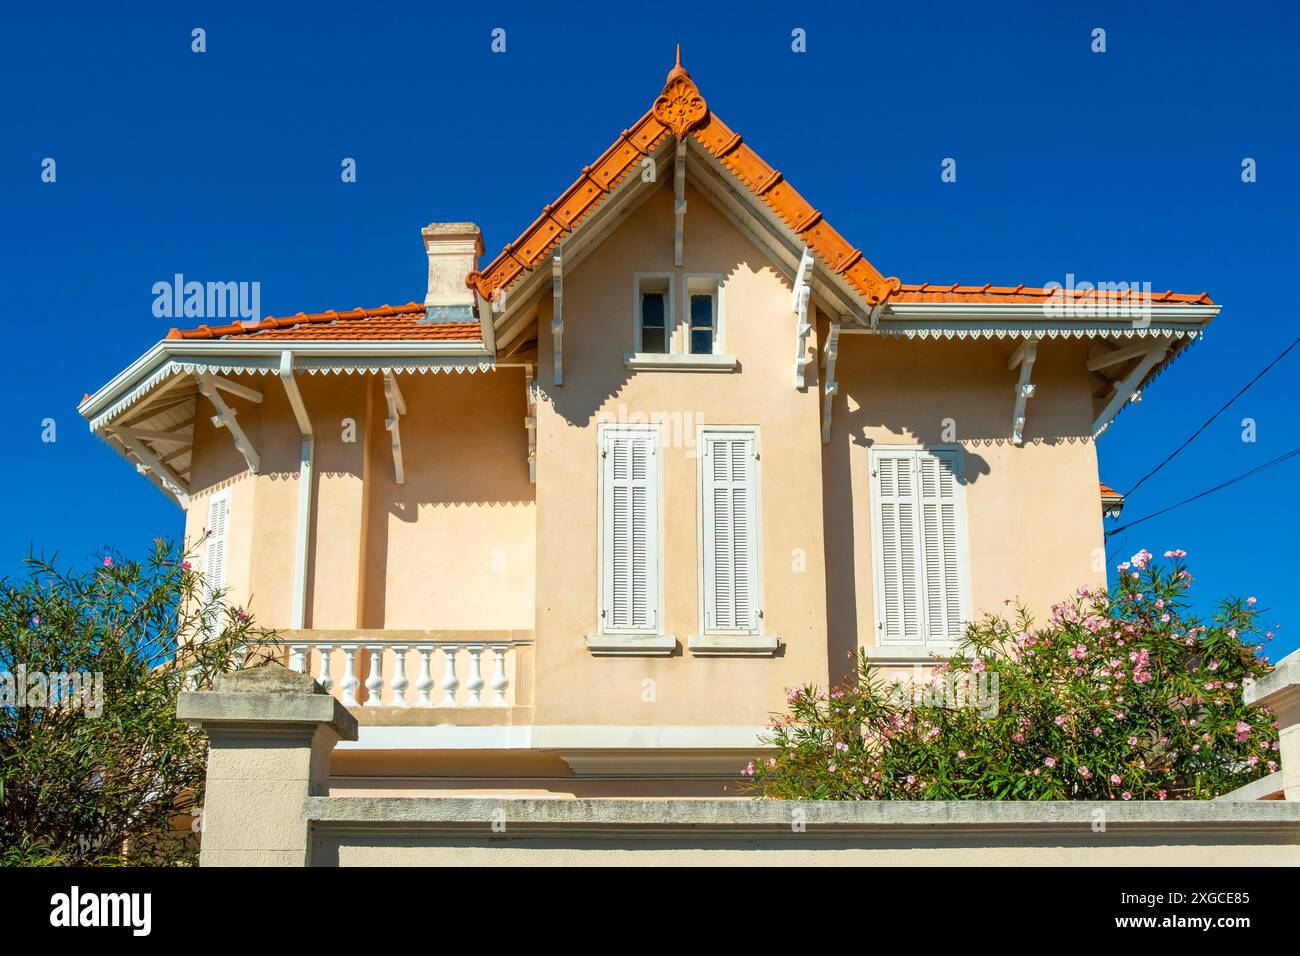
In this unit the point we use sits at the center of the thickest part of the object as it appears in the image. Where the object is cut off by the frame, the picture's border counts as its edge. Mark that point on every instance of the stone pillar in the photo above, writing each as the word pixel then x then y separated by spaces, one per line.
pixel 1280 692
pixel 271 732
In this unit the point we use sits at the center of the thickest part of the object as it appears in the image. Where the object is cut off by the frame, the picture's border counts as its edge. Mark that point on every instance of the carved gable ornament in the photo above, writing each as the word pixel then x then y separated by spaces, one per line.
pixel 680 106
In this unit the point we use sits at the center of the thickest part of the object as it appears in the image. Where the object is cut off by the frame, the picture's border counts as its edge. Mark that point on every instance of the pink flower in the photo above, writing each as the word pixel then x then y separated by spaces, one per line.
pixel 1243 730
pixel 1115 778
pixel 108 561
pixel 749 769
pixel 1142 559
pixel 977 666
pixel 1049 761
pixel 911 779
pixel 1163 794
pixel 185 565
pixel 961 754
pixel 1060 720
pixel 1132 741
pixel 1126 795
pixel 1250 600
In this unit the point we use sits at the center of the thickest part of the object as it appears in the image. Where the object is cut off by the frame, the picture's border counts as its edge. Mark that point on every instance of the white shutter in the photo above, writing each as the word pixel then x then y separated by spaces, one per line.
pixel 939 503
pixel 214 556
pixel 898 599
pixel 730 502
pixel 214 561
pixel 920 573
pixel 630 545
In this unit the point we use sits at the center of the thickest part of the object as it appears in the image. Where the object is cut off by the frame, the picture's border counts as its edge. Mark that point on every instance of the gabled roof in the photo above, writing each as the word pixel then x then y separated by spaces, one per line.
pixel 680 111
pixel 388 323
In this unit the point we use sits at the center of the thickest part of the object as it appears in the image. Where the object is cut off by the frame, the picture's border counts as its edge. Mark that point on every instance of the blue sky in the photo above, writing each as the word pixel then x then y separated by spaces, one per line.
pixel 224 165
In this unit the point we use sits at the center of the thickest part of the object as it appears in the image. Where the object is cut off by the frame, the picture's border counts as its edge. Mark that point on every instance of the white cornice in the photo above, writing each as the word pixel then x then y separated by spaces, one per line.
pixel 172 356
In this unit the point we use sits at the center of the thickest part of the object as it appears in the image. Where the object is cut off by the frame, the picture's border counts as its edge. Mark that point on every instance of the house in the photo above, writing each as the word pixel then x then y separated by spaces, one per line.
pixel 575 523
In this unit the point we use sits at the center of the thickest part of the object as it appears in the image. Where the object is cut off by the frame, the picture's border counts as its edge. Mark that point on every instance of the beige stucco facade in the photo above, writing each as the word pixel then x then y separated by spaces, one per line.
pixel 468 549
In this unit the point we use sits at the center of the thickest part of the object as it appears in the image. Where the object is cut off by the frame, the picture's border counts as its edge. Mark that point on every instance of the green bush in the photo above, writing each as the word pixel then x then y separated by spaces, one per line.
pixel 102 773
pixel 1120 695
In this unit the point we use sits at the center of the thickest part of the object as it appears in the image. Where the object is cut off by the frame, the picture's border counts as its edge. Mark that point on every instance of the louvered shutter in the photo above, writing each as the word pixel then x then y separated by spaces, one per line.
pixel 214 555
pixel 939 503
pixel 631 531
pixel 899 612
pixel 730 532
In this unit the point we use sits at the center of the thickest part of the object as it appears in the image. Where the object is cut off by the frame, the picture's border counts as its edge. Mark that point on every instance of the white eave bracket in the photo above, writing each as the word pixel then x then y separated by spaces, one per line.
pixel 530 420
pixel 212 386
pixel 152 465
pixel 799 300
pixel 679 207
pixel 1024 355
pixel 396 408
pixel 830 387
pixel 557 317
pixel 1126 389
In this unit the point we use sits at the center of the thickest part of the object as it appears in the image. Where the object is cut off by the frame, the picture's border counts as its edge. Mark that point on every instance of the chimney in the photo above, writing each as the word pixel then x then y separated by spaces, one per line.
pixel 453 249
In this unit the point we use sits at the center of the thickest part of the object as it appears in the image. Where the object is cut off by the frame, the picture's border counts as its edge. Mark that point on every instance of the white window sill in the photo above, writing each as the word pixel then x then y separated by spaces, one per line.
pixel 631 645
pixel 658 362
pixel 733 645
pixel 907 653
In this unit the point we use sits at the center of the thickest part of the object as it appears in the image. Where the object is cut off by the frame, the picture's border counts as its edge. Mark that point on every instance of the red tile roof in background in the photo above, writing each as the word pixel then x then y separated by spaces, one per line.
pixel 388 323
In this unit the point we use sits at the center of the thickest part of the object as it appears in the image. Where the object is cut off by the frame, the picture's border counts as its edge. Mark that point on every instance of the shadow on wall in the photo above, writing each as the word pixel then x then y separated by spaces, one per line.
pixel 933 394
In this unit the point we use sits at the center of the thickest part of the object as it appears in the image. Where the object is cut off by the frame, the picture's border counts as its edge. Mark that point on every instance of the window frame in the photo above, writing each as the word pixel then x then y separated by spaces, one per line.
pixel 639 285
pixel 656 530
pixel 760 617
pixel 694 283
pixel 877 544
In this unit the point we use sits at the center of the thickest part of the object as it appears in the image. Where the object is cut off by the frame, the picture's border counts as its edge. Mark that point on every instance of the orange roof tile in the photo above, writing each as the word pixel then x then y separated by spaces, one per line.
pixel 932 292
pixel 681 111
pixel 388 323
pixel 1108 492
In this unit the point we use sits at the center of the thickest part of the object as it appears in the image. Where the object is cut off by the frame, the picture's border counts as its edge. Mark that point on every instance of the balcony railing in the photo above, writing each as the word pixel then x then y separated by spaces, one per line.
pixel 404 669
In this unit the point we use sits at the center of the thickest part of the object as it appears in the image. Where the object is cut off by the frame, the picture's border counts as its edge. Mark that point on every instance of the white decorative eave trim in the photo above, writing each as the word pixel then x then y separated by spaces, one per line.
pixel 1030 311
pixel 183 357
pixel 1019 330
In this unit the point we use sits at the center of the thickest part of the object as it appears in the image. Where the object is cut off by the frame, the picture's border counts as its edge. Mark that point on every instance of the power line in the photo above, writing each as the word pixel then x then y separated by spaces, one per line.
pixel 1243 391
pixel 1231 481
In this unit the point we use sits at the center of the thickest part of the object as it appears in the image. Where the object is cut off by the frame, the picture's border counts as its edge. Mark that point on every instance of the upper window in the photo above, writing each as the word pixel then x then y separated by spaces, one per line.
pixel 654 315
pixel 919 544
pixel 703 310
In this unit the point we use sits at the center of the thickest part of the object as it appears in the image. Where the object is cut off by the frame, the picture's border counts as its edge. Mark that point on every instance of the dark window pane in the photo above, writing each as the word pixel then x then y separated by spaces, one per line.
pixel 702 341
pixel 653 334
pixel 701 311
pixel 652 310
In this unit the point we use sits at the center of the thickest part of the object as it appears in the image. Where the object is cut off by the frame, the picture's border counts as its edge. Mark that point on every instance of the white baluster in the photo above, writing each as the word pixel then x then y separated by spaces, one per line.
pixel 399 683
pixel 375 681
pixel 323 666
pixel 298 658
pixel 449 681
pixel 348 686
pixel 424 683
pixel 499 682
pixel 475 683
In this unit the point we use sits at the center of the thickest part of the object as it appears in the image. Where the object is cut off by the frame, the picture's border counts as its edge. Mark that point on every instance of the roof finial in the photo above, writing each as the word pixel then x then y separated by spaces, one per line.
pixel 677 70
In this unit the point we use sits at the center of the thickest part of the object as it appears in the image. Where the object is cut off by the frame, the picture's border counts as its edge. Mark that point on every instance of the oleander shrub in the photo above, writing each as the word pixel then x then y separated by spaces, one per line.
pixel 1120 694
pixel 95 768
